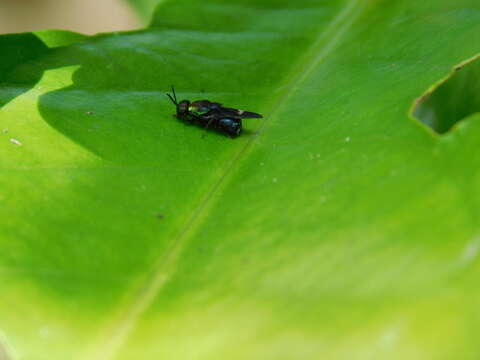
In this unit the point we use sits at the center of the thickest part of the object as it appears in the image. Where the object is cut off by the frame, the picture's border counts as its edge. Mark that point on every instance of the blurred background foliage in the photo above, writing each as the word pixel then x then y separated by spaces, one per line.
pixel 85 16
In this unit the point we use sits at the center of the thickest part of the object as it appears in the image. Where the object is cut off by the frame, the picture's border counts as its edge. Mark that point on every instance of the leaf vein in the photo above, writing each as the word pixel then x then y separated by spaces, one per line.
pixel 320 49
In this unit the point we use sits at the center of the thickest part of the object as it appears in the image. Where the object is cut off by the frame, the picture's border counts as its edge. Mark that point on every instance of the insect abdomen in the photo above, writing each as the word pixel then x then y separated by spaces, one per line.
pixel 230 127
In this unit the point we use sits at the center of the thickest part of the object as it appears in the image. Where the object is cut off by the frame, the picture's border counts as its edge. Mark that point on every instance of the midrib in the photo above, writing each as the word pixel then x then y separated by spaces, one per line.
pixel 326 41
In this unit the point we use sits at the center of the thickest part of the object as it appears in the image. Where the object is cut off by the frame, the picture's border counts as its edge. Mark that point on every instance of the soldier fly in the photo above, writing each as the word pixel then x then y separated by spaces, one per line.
pixel 211 115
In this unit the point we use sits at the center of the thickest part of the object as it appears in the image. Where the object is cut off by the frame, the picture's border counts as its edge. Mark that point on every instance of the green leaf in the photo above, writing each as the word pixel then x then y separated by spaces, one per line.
pixel 337 227
pixel 454 99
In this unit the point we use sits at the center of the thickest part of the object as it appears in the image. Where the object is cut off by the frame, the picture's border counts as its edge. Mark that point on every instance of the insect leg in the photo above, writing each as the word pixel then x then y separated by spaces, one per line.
pixel 208 123
pixel 207 126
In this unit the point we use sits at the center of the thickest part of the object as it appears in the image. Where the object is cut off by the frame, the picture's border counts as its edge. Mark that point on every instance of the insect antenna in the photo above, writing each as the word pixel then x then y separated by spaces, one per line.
pixel 174 97
pixel 171 98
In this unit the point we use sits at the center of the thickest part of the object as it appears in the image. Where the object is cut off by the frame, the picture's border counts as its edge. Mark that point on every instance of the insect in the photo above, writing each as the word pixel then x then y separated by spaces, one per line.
pixel 211 115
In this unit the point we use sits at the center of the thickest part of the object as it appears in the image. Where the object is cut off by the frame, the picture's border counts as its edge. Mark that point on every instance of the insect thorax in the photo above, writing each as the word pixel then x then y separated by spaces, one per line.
pixel 197 110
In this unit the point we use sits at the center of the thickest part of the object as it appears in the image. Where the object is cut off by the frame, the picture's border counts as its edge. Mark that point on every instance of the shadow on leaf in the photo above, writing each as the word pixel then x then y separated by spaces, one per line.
pixel 16 75
pixel 453 99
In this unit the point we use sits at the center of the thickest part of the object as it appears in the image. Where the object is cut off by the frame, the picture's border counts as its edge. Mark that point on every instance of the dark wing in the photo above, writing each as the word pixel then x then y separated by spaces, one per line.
pixel 216 109
pixel 235 113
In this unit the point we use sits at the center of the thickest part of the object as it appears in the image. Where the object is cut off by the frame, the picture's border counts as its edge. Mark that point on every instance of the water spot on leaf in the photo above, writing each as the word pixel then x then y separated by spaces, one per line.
pixel 470 251
pixel 16 142
pixel 453 99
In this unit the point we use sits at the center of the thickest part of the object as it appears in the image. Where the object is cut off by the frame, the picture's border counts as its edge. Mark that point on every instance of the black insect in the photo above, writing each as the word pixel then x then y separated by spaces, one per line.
pixel 211 115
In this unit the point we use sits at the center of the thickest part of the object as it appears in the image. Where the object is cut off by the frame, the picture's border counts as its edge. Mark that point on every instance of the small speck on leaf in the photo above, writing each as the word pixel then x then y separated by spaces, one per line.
pixel 16 142
pixel 89 113
pixel 274 180
pixel 347 139
pixel 160 216
pixel 4 131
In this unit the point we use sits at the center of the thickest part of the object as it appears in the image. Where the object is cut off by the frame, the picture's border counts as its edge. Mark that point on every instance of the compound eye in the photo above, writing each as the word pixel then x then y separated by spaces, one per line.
pixel 183 105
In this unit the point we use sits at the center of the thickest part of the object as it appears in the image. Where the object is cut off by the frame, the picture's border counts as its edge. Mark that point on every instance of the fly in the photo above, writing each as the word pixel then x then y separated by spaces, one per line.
pixel 211 115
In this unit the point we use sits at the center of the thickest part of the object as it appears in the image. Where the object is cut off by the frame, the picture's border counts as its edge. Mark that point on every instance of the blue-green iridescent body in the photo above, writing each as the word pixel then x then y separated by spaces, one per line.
pixel 198 108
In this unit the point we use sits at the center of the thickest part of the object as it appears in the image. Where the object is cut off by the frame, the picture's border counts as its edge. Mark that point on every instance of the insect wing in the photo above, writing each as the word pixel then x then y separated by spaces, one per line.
pixel 204 106
pixel 239 114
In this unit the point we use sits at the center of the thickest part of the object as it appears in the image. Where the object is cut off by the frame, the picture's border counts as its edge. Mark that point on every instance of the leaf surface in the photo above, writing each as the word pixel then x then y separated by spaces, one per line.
pixel 336 227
